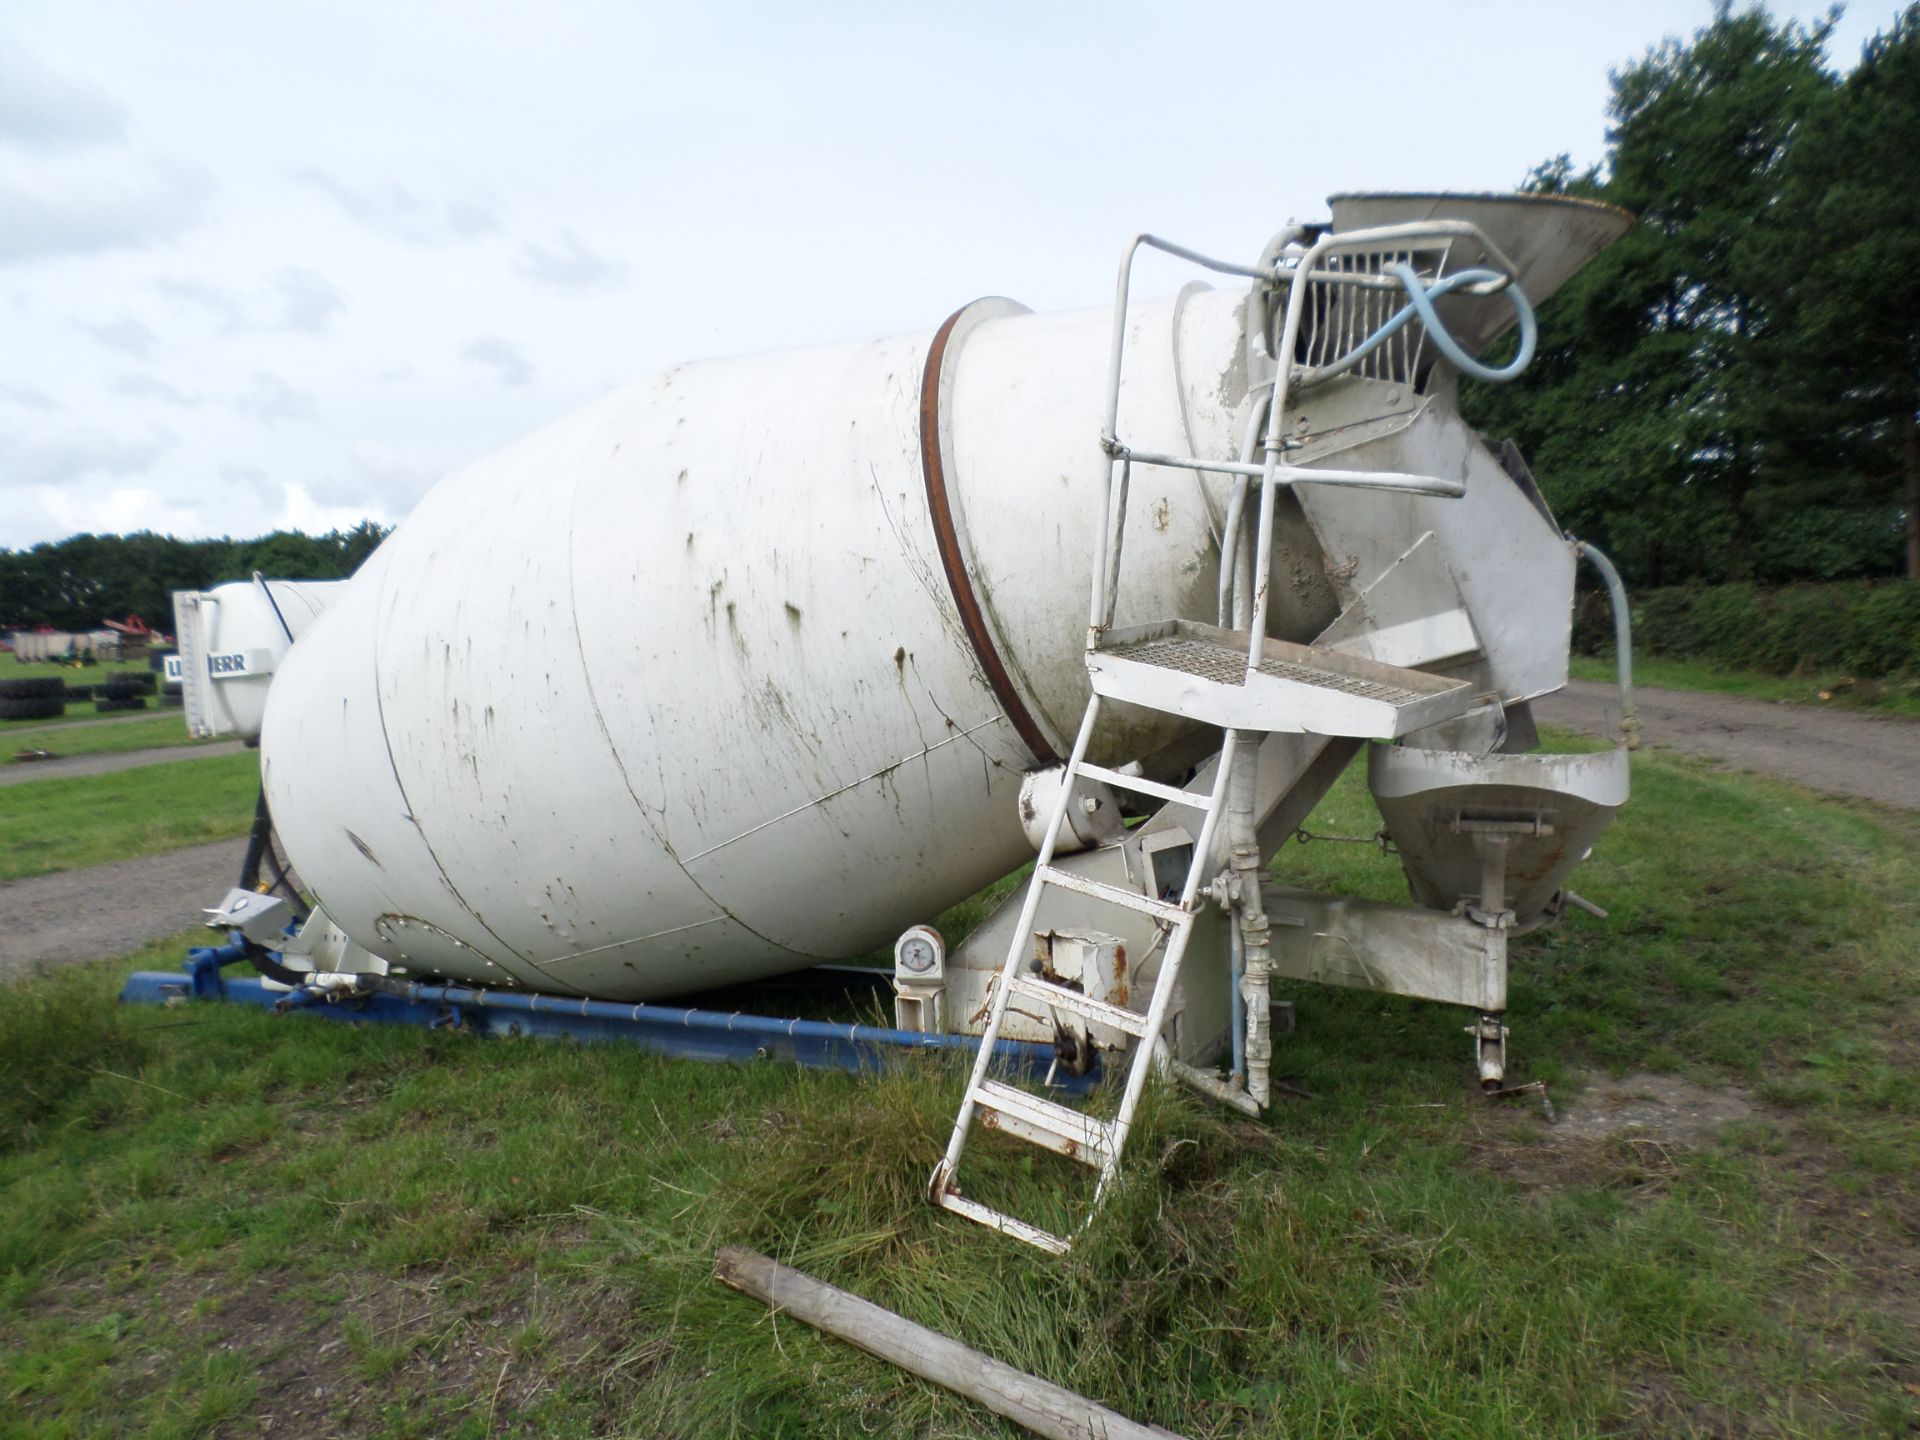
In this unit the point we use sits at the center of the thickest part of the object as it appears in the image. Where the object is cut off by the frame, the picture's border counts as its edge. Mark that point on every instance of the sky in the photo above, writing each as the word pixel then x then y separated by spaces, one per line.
pixel 284 265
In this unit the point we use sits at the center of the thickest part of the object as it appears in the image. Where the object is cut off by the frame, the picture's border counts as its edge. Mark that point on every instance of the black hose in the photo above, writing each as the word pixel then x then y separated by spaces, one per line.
pixel 262 960
pixel 256 843
pixel 260 848
pixel 281 883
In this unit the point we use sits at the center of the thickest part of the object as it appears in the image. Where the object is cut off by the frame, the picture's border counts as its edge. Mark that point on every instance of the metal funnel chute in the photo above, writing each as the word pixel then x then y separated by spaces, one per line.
pixel 1453 816
pixel 1547 237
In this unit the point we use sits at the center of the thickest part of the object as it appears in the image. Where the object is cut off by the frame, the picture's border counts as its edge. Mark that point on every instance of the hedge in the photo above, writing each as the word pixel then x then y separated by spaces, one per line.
pixel 1865 628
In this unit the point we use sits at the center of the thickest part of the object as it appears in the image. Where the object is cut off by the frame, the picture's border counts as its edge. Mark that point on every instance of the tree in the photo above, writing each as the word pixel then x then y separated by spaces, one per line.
pixel 74 584
pixel 1648 412
pixel 1845 258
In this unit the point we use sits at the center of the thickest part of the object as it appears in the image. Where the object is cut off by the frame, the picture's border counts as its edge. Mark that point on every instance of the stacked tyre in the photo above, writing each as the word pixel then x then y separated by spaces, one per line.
pixel 37 698
pixel 125 691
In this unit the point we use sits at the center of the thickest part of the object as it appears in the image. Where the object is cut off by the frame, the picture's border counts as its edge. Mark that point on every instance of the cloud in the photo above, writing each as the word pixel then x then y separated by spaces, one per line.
pixel 80 455
pixel 570 266
pixel 270 399
pixel 402 214
pixel 152 387
pixel 299 299
pixel 503 357
pixel 40 108
pixel 88 204
pixel 308 300
pixel 218 305
pixel 127 335
pixel 27 397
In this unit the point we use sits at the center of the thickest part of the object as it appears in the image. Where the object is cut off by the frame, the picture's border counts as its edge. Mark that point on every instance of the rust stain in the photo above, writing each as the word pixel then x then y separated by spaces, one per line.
pixel 947 539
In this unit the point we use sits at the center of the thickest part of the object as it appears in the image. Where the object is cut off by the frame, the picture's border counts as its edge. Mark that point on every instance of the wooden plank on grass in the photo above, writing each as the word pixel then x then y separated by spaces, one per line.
pixel 1044 1408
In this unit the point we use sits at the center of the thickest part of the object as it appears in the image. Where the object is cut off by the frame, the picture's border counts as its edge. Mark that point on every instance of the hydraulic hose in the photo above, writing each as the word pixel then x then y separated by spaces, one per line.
pixel 256 843
pixel 1420 298
pixel 259 851
pixel 1622 639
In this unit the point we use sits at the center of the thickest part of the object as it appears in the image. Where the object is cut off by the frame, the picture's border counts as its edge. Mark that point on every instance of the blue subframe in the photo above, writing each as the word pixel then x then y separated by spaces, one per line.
pixel 688 1033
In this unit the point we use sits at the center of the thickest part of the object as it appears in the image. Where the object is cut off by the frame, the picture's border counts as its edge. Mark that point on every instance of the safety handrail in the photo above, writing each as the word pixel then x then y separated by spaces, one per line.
pixel 1499 275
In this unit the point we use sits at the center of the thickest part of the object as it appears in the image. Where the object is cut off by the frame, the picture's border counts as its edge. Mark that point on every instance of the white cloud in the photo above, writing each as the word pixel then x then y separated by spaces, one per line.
pixel 308 300
pixel 136 386
pixel 41 108
pixel 401 213
pixel 27 397
pixel 126 334
pixel 503 357
pixel 270 399
pixel 79 455
pixel 83 205
pixel 213 301
pixel 570 265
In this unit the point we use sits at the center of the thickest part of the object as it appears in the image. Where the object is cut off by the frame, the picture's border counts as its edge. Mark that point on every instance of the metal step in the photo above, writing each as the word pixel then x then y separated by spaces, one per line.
pixel 1005 1224
pixel 1043 1122
pixel 1130 1022
pixel 1132 899
pixel 1201 672
pixel 1172 794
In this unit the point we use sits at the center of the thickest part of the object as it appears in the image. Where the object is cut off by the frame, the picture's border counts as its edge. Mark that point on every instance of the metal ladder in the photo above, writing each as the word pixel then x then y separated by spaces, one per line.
pixel 1041 1121
pixel 1021 1113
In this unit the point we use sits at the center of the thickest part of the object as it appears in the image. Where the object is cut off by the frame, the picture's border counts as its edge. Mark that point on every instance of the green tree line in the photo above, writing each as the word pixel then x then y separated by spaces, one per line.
pixel 74 584
pixel 1732 392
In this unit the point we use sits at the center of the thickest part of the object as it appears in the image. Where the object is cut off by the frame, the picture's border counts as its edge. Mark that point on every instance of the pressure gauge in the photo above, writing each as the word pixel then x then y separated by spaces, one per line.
pixel 918 952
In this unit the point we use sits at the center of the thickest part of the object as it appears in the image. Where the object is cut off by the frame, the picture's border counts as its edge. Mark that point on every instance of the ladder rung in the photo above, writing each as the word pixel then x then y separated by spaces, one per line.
pixel 1088 1138
pixel 1005 1224
pixel 1172 794
pixel 1085 1006
pixel 1160 909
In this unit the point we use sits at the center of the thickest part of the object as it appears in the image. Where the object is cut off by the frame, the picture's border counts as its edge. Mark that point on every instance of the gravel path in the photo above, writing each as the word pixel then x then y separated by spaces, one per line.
pixel 112 909
pixel 105 763
pixel 1843 752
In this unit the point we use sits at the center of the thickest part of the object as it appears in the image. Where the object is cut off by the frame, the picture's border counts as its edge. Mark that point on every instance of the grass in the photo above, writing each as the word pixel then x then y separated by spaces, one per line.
pixel 11 669
pixel 227 1223
pixel 143 732
pixel 1836 691
pixel 63 824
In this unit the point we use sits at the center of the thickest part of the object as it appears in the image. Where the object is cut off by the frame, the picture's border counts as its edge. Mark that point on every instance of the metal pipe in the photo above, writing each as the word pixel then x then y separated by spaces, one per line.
pixel 1622 639
pixel 1237 969
pixel 1404 484
pixel 1211 1086
pixel 1117 346
pixel 1230 547
pixel 1116 526
pixel 1256 966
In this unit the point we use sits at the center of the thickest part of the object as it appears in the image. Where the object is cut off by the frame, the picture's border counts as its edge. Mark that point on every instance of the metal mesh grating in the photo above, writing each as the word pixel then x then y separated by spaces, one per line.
pixel 1226 666
pixel 1344 684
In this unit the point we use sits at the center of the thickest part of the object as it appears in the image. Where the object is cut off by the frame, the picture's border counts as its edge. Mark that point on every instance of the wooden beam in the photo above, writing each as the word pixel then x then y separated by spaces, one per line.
pixel 1044 1408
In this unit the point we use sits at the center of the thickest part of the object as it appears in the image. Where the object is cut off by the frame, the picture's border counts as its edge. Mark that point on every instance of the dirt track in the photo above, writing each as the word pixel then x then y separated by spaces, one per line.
pixel 1842 752
pixel 111 909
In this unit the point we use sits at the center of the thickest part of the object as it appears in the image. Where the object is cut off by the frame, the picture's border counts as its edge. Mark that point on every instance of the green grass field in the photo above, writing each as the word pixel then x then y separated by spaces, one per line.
pixel 155 731
pixel 12 669
pixel 64 824
pixel 1886 697
pixel 223 1223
